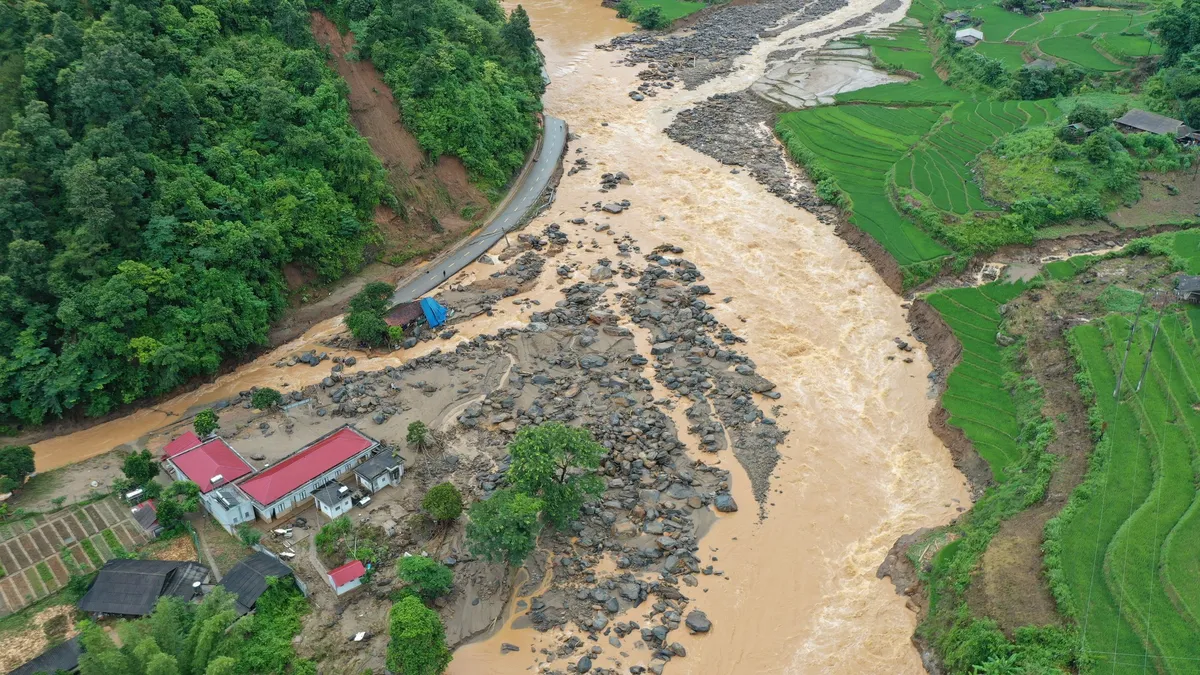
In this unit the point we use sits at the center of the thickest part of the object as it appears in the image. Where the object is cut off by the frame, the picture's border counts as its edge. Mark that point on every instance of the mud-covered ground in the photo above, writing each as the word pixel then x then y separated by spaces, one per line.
pixel 627 343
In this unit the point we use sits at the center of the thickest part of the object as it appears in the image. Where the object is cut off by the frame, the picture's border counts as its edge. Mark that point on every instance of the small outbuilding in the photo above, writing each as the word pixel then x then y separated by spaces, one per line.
pixel 333 500
pixel 381 470
pixel 146 516
pixel 404 315
pixel 1187 289
pixel 1144 121
pixel 347 577
pixel 131 588
pixel 60 658
pixel 1041 64
pixel 968 36
pixel 248 579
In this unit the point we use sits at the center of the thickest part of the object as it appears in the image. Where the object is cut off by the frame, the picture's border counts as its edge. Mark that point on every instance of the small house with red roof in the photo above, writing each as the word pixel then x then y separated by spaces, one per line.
pixel 347 577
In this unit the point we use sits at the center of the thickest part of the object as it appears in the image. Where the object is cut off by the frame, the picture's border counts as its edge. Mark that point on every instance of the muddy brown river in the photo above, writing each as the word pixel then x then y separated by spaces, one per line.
pixel 860 466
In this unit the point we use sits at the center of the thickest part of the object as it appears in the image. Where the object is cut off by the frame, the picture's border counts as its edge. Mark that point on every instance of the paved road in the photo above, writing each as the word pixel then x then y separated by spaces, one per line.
pixel 523 198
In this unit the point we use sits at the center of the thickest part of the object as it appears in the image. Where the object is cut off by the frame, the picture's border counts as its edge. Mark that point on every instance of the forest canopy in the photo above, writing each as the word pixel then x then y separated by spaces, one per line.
pixel 162 161
pixel 467 78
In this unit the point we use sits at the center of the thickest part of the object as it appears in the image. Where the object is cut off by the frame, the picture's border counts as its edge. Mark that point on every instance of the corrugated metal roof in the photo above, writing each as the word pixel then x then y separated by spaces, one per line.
pixel 132 587
pixel 62 657
pixel 404 314
pixel 347 573
pixel 248 579
pixel 1144 120
pixel 181 445
pixel 212 458
pixel 331 495
pixel 377 464
pixel 308 463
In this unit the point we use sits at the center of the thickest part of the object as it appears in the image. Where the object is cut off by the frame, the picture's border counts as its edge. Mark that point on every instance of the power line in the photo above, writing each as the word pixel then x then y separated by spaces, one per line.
pixel 1150 351
pixel 1128 344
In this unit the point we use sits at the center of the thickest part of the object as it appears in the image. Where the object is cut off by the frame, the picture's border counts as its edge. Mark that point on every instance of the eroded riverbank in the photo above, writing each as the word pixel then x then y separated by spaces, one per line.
pixel 859 466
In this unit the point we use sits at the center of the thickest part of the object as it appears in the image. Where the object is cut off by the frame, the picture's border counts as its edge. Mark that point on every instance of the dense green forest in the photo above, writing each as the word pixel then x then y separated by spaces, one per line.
pixel 162 161
pixel 466 79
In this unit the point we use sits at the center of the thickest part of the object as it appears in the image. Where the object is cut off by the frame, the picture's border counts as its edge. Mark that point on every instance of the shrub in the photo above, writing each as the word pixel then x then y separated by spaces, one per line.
pixel 428 577
pixel 625 9
pixel 367 310
pixel 443 502
pixel 16 463
pixel 418 640
pixel 249 535
pixel 265 397
pixel 651 18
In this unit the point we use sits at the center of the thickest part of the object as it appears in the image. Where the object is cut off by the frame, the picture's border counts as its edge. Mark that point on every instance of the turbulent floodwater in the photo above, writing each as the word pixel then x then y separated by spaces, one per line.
pixel 860 466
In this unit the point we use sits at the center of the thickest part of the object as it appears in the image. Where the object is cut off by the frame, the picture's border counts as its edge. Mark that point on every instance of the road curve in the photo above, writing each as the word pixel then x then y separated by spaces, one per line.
pixel 554 138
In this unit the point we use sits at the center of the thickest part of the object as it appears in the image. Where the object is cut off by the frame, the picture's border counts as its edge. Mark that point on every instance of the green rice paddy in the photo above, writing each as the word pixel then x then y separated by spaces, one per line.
pixel 977 396
pixel 1132 551
pixel 1089 38
pixel 859 145
pixel 939 167
pixel 905 49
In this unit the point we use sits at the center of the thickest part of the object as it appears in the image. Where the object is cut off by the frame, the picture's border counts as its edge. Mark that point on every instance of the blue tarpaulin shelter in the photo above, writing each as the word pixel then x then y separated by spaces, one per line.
pixel 435 314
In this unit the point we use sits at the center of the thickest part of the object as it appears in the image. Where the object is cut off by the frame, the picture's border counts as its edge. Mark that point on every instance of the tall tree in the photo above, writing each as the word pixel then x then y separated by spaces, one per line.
pixel 16 463
pixel 504 526
pixel 140 467
pixel 556 464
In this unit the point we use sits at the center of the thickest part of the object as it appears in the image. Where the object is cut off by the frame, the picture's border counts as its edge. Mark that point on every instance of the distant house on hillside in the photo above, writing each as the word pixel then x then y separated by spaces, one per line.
pixel 1145 121
pixel 968 36
pixel 1187 289
pixel 1040 64
pixel 956 18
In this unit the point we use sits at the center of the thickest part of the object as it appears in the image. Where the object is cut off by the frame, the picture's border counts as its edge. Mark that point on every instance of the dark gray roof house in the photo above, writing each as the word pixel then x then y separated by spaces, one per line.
pixel 1144 120
pixel 64 657
pixel 1187 289
pixel 248 579
pixel 955 16
pixel 132 587
pixel 377 465
pixel 1040 64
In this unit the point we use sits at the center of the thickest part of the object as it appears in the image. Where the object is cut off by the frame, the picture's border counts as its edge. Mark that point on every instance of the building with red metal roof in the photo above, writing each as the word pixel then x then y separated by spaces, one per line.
pixel 282 487
pixel 347 577
pixel 211 464
pixel 181 445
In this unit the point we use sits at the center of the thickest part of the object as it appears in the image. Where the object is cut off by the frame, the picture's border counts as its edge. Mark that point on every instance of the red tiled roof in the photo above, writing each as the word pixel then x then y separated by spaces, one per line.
pixel 307 464
pixel 347 573
pixel 181 444
pixel 211 458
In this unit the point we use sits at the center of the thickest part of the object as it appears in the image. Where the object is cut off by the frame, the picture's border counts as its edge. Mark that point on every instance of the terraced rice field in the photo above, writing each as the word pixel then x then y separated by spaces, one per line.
pixel 859 145
pixel 1010 55
pixel 903 46
pixel 976 395
pixel 1065 269
pixel 1080 36
pixel 1132 551
pixel 939 167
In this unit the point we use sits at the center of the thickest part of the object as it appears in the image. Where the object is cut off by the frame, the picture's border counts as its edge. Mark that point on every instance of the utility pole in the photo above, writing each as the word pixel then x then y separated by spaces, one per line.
pixel 1128 344
pixel 1150 352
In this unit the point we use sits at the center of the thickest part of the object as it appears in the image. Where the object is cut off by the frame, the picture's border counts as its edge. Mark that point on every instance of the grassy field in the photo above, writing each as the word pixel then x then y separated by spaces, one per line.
pixel 939 167
pixel 859 145
pixel 672 9
pixel 977 394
